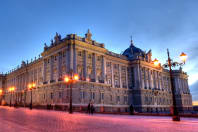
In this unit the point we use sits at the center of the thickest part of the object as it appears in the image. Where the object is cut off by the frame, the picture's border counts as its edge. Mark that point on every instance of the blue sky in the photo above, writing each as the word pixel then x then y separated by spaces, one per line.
pixel 154 24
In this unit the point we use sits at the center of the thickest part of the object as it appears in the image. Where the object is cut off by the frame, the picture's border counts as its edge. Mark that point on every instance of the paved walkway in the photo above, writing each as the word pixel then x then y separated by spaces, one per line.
pixel 25 120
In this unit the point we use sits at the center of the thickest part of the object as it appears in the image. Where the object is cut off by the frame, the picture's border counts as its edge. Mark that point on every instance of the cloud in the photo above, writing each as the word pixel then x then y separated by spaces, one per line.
pixel 192 51
pixel 194 90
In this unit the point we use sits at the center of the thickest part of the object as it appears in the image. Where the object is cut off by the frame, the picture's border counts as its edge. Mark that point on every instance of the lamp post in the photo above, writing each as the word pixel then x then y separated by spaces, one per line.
pixel 11 90
pixel 70 80
pixel 30 87
pixel 170 64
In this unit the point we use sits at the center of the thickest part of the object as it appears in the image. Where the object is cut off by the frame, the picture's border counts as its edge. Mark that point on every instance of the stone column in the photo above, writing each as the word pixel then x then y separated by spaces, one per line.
pixel 112 75
pixel 58 64
pixel 137 77
pixel 85 65
pixel 140 78
pixel 162 84
pixel 103 69
pixel 120 75
pixel 71 61
pixel 69 58
pixel 51 67
pixel 149 79
pixel 127 83
pixel 145 79
pixel 37 76
pixel 44 71
pixel 32 75
pixel 74 59
pixel 154 80
pixel 94 67
pixel 159 80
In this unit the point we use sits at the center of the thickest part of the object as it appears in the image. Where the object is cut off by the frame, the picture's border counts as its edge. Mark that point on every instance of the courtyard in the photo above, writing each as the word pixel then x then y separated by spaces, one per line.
pixel 23 120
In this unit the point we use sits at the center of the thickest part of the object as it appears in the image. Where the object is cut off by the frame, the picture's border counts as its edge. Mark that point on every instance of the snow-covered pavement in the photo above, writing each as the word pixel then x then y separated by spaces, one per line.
pixel 25 120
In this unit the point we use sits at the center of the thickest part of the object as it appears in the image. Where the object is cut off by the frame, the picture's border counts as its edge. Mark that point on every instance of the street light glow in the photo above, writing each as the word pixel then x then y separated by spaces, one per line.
pixel 76 77
pixel 183 57
pixel 33 85
pixel 30 86
pixel 66 79
pixel 156 62
pixel 1 91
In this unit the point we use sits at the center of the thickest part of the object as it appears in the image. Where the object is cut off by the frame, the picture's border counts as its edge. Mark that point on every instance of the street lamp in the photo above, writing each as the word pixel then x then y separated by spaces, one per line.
pixel 170 64
pixel 71 80
pixel 30 87
pixel 11 90
pixel 156 62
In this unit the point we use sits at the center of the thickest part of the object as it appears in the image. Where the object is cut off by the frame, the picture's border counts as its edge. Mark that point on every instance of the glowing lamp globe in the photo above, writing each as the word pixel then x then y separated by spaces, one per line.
pixel 66 79
pixel 76 77
pixel 183 57
pixel 156 62
pixel 29 86
pixel 33 85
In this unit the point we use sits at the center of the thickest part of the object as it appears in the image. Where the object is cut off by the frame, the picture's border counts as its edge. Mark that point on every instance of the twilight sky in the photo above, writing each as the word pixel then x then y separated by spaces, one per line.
pixel 154 24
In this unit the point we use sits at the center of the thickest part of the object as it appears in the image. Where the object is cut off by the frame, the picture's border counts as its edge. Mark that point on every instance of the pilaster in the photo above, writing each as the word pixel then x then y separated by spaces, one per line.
pixel 94 67
pixel 85 65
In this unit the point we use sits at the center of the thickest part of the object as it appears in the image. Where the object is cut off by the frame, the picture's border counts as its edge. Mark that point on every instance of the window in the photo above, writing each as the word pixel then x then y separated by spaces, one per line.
pixel 82 94
pixel 55 58
pixel 98 58
pixel 125 99
pixel 109 81
pixel 79 53
pixel 118 98
pixel 111 98
pixel 89 56
pixel 60 94
pixel 102 96
pixel 108 64
pixel 52 95
pixel 92 95
pixel 63 54
pixel 116 84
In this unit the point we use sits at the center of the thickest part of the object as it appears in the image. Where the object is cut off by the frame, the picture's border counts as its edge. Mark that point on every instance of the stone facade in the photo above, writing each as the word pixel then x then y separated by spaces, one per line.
pixel 111 81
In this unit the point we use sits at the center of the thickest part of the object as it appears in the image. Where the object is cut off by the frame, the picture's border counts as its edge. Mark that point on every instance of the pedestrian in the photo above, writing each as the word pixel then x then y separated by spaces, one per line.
pixel 131 109
pixel 92 108
pixel 89 108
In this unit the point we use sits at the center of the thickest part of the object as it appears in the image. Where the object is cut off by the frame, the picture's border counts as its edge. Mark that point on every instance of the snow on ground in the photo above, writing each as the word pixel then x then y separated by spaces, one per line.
pixel 23 120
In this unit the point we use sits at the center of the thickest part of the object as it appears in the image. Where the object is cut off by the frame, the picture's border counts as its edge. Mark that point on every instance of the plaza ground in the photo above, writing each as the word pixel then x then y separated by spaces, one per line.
pixel 25 120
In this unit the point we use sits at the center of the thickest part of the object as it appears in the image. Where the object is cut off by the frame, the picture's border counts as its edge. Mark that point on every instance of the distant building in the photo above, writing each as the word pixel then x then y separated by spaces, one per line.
pixel 111 81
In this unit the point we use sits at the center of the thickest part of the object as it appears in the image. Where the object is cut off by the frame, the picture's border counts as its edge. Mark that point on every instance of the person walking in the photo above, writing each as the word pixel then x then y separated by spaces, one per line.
pixel 89 108
pixel 131 109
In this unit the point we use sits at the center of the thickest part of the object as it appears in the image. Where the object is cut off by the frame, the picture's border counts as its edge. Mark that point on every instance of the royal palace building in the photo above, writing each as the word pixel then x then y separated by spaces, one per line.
pixel 111 81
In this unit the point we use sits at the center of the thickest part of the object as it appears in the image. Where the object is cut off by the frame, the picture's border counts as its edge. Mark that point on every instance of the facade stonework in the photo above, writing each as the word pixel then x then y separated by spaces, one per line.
pixel 111 81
